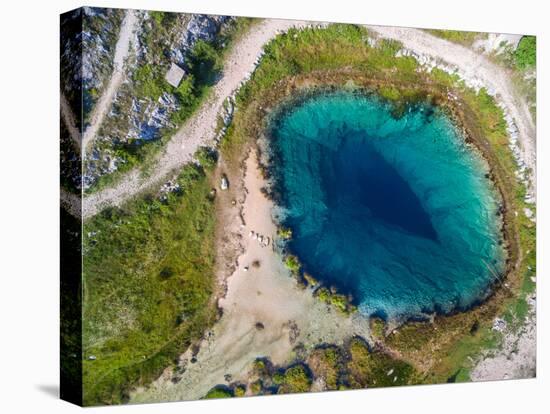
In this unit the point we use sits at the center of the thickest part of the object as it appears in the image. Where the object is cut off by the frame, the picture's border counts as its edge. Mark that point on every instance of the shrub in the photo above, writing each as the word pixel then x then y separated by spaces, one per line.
pixel 323 294
pixel 261 367
pixel 339 301
pixel 205 62
pixel 525 55
pixel 149 82
pixel 284 233
pixel 292 263
pixel 295 379
pixel 218 392
pixel 256 387
pixel 239 390
pixel 310 280
pixel 278 378
pixel 207 157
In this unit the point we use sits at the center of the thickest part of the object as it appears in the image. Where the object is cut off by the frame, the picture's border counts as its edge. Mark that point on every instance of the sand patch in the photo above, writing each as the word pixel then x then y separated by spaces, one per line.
pixel 265 313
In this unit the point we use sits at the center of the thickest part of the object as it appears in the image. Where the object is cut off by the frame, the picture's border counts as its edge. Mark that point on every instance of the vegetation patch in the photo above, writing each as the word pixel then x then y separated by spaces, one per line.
pixel 148 283
pixel 368 369
pixel 457 36
pixel 526 53
pixel 219 392
pixel 330 367
pixel 326 363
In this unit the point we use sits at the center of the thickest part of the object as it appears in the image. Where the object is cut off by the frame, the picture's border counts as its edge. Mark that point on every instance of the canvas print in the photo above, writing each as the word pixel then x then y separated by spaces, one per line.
pixel 263 206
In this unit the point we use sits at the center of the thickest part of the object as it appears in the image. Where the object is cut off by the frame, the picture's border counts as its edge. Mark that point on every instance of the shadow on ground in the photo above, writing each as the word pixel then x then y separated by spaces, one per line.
pixel 51 390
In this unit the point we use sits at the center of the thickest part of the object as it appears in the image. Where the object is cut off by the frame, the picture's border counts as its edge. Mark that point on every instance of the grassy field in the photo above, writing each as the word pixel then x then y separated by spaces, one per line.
pixel 340 57
pixel 148 284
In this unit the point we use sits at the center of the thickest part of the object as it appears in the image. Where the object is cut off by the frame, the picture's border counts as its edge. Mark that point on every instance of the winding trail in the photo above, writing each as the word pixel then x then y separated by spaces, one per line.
pixel 122 49
pixel 68 118
pixel 200 128
pixel 477 68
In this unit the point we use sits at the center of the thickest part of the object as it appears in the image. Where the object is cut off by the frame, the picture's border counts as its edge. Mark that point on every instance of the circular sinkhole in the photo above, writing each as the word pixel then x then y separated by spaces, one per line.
pixel 396 211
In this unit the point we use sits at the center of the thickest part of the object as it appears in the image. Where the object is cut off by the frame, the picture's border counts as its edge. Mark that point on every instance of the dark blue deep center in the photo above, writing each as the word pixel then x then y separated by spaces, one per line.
pixel 397 212
pixel 359 177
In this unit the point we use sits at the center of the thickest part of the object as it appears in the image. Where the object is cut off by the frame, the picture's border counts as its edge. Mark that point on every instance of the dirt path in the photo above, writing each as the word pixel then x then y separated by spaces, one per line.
pixel 200 129
pixel 266 294
pixel 103 105
pixel 68 118
pixel 479 70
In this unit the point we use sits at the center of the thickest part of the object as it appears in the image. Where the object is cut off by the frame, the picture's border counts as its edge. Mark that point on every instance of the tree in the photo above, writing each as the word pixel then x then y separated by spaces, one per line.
pixel 526 53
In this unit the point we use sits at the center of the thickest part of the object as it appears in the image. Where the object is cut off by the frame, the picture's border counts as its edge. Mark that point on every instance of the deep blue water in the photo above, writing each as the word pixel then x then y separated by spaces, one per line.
pixel 397 212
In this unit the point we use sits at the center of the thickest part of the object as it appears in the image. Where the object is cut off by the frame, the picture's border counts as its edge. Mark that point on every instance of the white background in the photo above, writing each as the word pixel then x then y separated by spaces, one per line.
pixel 29 233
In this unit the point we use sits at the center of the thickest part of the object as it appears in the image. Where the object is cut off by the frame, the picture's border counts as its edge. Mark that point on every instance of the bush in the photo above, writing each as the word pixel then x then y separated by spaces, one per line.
pixel 284 233
pixel 292 263
pixel 339 301
pixel 310 280
pixel 218 392
pixel 205 62
pixel 207 157
pixel 149 82
pixel 295 379
pixel 239 390
pixel 256 387
pixel 525 55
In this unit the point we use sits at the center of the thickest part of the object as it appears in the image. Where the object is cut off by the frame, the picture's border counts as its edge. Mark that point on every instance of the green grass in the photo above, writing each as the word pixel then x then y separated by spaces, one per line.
pixel 148 282
pixel 367 369
pixel 70 308
pixel 457 36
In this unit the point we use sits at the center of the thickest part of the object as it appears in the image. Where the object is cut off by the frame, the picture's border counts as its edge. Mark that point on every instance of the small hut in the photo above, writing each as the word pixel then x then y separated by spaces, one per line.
pixel 174 75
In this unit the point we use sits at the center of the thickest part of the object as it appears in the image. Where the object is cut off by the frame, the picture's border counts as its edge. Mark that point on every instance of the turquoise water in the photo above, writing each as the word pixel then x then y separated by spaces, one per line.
pixel 398 212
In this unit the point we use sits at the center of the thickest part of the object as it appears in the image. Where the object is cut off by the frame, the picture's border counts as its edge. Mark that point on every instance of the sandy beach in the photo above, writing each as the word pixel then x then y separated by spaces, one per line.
pixel 265 295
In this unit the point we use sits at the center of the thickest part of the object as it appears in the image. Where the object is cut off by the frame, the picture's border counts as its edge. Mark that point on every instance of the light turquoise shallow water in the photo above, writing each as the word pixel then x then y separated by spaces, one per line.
pixel 397 212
